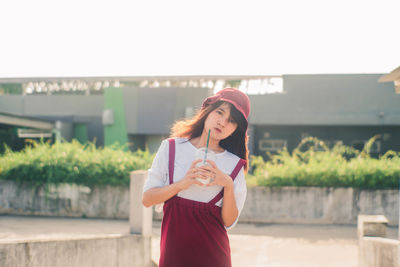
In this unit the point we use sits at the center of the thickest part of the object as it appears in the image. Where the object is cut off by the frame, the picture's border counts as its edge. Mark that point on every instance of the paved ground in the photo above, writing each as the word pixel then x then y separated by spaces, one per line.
pixel 252 245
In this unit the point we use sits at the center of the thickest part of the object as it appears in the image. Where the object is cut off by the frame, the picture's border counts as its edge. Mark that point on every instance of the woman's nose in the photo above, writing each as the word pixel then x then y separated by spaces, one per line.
pixel 223 121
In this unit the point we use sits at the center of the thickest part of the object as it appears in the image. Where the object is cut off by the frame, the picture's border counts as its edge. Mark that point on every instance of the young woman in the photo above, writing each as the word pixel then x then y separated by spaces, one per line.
pixel 196 216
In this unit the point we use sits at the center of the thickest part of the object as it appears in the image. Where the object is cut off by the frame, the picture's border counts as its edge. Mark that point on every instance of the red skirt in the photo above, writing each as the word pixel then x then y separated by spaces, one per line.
pixel 192 234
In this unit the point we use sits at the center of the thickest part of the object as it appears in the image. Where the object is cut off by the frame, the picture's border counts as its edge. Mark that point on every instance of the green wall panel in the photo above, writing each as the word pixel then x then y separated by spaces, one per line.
pixel 113 99
pixel 81 132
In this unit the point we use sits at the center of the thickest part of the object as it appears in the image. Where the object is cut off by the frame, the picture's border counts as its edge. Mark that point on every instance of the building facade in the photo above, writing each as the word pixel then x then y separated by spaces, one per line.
pixel 347 108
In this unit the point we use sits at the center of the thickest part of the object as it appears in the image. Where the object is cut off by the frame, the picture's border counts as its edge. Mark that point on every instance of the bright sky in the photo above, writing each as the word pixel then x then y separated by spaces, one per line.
pixel 208 37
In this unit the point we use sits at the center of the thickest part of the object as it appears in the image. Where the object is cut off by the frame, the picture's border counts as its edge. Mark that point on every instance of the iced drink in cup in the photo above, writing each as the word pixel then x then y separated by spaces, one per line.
pixel 200 154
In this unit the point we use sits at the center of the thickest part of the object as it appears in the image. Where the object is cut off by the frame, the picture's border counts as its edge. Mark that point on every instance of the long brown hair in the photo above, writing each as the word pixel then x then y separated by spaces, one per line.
pixel 193 127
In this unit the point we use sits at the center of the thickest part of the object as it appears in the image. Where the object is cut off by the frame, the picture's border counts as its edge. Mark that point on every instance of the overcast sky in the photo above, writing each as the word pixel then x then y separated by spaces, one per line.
pixel 131 38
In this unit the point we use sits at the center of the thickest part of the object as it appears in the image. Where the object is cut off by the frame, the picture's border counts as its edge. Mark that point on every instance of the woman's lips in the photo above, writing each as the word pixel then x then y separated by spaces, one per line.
pixel 218 130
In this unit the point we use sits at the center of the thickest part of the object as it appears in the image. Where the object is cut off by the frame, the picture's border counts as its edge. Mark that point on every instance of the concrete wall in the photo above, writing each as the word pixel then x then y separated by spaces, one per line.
pixel 315 205
pixel 263 204
pixel 117 250
pixel 66 200
pixel 318 205
pixel 111 250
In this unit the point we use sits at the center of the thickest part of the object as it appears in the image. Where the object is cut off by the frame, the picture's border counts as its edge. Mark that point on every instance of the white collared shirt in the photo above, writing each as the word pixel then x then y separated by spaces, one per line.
pixel 184 156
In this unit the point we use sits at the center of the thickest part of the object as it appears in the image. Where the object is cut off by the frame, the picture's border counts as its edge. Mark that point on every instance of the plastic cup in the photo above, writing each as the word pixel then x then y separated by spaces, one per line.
pixel 200 155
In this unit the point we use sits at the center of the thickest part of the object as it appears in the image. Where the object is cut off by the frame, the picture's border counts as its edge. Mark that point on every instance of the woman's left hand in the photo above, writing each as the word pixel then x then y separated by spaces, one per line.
pixel 217 176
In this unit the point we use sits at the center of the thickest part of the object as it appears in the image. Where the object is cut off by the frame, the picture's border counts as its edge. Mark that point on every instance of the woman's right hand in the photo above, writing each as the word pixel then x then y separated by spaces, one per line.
pixel 191 175
pixel 159 195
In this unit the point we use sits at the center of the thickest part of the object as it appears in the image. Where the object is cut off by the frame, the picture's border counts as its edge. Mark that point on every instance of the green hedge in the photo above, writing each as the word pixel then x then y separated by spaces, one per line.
pixel 340 166
pixel 42 163
pixel 62 162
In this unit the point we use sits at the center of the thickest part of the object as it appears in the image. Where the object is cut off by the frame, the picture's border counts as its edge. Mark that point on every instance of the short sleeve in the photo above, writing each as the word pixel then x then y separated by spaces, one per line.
pixel 158 173
pixel 240 190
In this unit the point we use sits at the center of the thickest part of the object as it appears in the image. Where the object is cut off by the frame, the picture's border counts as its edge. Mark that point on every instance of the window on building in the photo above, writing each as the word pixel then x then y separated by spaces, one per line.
pixel 272 145
pixel 34 133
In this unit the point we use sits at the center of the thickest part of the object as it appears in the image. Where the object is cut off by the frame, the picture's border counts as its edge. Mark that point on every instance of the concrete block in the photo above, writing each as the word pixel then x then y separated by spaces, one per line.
pixel 111 250
pixel 371 225
pixel 378 252
pixel 140 217
pixel 374 250
pixel 263 204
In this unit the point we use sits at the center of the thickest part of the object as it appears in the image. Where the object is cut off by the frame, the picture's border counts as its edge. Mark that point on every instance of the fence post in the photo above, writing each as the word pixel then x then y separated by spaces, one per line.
pixel 140 217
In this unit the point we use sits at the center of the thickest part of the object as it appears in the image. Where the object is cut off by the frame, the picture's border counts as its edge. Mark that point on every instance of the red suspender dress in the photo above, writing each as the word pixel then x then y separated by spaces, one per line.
pixel 192 232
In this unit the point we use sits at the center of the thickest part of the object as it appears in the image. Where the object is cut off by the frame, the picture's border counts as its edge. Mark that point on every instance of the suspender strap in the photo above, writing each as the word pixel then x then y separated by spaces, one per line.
pixel 233 175
pixel 171 160
pixel 235 171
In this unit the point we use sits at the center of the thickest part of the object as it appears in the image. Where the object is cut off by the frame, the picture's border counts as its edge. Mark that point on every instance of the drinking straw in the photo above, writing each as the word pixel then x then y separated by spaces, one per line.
pixel 208 139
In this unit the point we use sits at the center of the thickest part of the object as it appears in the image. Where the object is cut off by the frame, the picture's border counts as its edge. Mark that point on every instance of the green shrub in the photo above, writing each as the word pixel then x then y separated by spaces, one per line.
pixel 340 166
pixel 63 162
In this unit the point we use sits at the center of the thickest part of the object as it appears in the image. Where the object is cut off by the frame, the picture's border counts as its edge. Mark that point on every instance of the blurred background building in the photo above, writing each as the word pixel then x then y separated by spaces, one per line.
pixel 138 111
